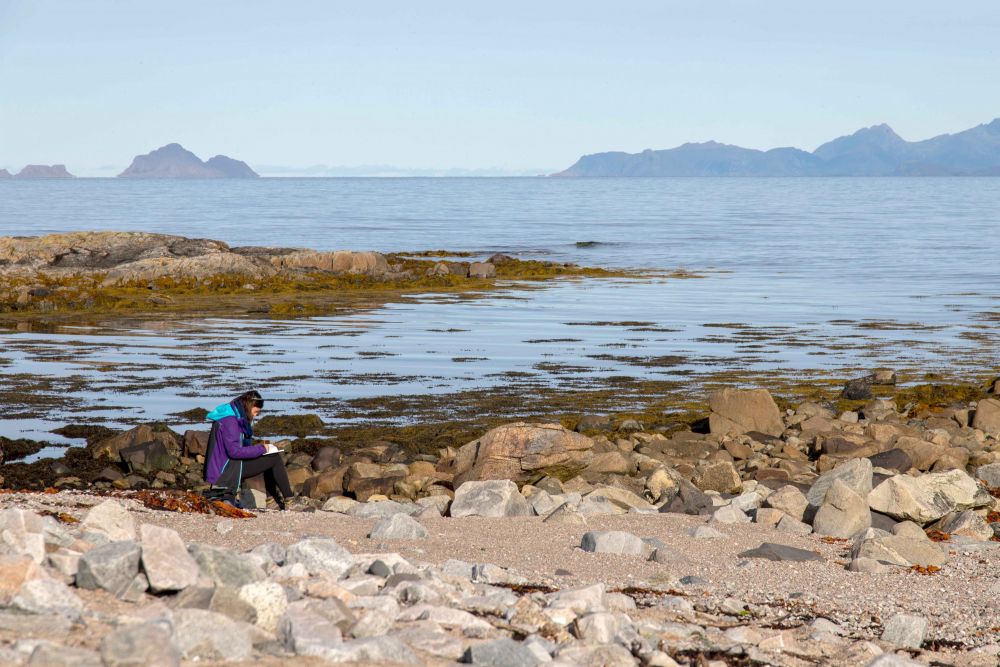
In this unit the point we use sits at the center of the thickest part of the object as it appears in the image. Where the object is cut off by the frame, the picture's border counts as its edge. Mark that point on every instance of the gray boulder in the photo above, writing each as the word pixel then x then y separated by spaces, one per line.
pixel 320 556
pixel 49 654
pixel 990 474
pixel 614 542
pixel 268 600
pixel 305 632
pixel 856 474
pixel 205 635
pixel 781 552
pixel 565 515
pixel 140 645
pixel 490 498
pixel 928 497
pixel 398 527
pixel 224 567
pixel 48 596
pixel 966 523
pixel 165 560
pixel 502 653
pixel 382 510
pixel 843 513
pixel 903 551
pixel 110 567
pixel 110 518
pixel 905 631
pixel 789 500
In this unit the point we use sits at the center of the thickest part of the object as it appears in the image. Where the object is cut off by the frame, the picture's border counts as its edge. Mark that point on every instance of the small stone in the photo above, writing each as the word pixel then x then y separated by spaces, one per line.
pixel 48 654
pixel 491 498
pixel 48 596
pixel 205 635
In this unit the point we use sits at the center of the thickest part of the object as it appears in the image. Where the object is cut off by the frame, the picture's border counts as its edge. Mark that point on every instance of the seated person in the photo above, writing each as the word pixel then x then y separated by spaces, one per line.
pixel 233 457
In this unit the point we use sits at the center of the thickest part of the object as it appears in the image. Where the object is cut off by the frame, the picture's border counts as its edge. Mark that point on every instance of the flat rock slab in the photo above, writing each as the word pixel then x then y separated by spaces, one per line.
pixel 781 552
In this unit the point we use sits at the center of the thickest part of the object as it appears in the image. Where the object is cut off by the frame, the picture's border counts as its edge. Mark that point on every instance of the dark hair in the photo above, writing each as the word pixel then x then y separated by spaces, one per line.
pixel 250 399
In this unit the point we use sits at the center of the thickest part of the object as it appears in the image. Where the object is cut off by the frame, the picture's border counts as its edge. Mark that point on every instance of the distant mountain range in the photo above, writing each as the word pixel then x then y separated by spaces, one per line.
pixel 39 171
pixel 872 151
pixel 174 161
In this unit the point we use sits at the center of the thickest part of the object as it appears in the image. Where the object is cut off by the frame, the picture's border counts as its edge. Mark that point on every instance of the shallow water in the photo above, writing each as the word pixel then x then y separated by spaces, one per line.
pixel 802 276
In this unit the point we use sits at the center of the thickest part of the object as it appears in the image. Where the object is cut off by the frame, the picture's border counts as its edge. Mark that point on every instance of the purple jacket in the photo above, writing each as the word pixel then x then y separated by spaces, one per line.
pixel 233 438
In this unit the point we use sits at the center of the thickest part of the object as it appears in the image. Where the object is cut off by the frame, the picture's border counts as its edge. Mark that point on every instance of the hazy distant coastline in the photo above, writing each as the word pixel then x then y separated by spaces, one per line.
pixel 872 151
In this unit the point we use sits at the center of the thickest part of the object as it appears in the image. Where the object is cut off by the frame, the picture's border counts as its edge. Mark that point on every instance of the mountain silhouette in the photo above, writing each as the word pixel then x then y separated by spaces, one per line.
pixel 174 161
pixel 871 151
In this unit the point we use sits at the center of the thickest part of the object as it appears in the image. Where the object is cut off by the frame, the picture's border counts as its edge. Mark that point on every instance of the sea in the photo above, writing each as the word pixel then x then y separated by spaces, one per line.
pixel 800 276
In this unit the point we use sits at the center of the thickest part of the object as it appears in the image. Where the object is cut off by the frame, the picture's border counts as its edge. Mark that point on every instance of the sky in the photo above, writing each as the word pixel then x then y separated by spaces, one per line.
pixel 513 86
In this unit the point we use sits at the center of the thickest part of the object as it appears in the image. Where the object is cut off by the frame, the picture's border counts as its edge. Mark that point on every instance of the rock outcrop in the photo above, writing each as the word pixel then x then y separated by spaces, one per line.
pixel 139 257
pixel 520 451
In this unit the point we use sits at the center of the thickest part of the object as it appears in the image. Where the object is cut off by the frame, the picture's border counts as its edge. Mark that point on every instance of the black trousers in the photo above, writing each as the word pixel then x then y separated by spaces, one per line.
pixel 269 465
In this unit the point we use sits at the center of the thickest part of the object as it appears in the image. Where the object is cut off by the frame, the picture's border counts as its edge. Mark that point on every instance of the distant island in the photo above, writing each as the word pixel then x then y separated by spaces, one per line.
pixel 39 171
pixel 872 151
pixel 174 161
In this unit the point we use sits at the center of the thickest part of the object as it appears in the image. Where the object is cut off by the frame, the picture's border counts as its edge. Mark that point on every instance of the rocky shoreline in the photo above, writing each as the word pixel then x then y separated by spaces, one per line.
pixel 129 273
pixel 809 535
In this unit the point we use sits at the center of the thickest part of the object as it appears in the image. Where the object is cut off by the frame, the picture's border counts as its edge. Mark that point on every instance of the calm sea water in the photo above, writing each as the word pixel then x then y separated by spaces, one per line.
pixel 801 275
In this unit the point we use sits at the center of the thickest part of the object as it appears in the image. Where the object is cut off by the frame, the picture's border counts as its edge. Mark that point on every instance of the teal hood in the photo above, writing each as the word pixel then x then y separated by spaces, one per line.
pixel 224 410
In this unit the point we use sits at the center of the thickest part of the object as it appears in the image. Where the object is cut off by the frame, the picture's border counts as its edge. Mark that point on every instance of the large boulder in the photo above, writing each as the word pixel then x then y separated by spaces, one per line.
pixel 493 498
pixel 742 410
pixel 719 476
pixel 113 446
pixel 901 550
pixel 987 416
pixel 856 474
pixel 928 497
pixel 521 451
pixel 844 513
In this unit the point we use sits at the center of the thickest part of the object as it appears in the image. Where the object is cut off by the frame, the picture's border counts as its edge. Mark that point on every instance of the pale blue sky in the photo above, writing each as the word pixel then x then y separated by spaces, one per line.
pixel 516 85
